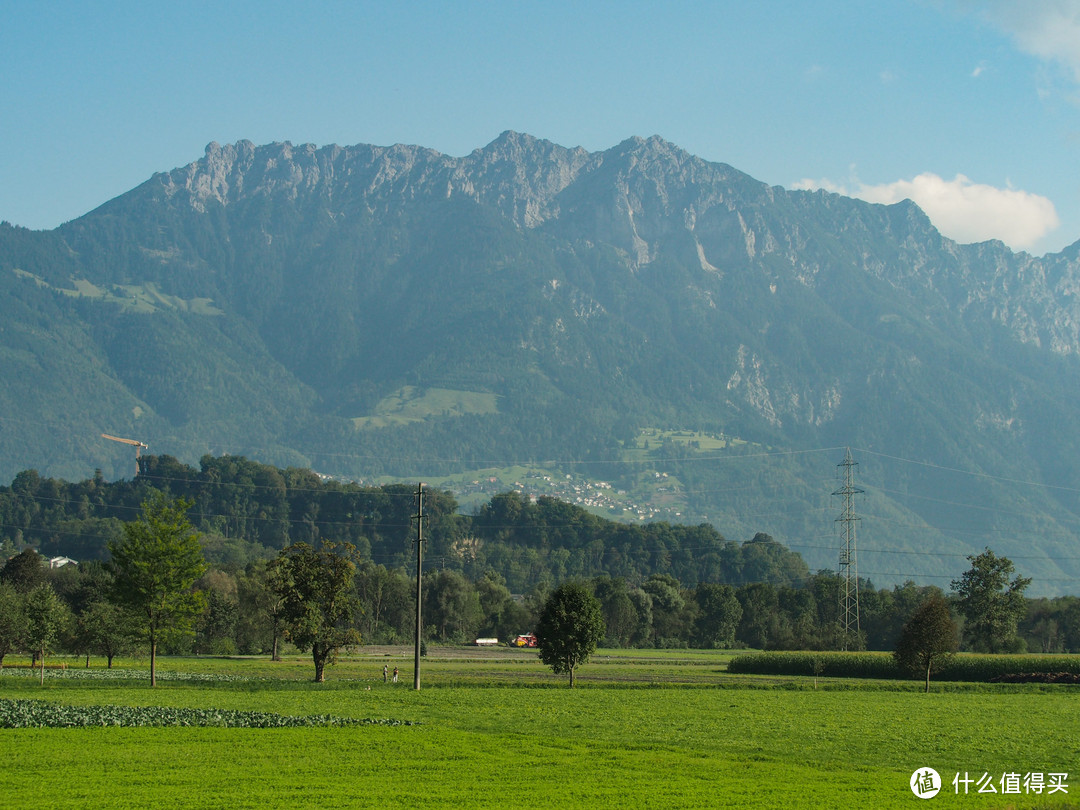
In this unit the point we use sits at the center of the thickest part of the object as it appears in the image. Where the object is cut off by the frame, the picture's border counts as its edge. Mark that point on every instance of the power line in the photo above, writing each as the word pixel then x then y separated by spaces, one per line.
pixel 973 473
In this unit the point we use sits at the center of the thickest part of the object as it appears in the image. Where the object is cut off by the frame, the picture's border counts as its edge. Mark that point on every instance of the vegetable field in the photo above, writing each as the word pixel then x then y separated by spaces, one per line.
pixel 495 729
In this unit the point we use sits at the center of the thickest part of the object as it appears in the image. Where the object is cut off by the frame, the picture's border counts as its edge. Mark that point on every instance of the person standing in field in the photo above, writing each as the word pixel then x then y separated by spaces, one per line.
pixel 395 674
pixel 384 673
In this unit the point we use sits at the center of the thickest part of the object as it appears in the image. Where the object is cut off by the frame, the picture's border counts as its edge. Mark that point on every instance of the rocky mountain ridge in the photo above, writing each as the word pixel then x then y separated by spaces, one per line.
pixel 650 190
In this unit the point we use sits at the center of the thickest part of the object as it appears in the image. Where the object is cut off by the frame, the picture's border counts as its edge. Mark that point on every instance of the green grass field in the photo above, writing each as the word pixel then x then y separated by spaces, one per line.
pixel 495 729
pixel 412 404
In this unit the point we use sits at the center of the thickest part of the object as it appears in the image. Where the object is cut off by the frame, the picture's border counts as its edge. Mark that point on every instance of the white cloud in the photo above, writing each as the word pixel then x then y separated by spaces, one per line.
pixel 963 210
pixel 1047 29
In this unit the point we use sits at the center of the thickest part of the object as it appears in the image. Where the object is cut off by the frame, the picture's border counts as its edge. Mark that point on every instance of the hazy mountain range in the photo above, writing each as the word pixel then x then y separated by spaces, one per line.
pixel 372 311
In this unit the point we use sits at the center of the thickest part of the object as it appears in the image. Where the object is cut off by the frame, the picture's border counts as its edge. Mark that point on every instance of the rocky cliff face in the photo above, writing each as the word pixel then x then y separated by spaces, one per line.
pixel 645 196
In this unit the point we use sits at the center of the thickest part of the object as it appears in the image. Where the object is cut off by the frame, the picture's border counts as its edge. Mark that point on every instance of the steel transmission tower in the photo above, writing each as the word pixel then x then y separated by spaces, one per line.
pixel 848 568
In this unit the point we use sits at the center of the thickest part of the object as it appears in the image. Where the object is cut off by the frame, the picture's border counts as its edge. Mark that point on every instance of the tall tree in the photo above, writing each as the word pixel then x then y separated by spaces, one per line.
pixel 761 622
pixel 318 599
pixel 928 639
pixel 672 616
pixel 569 628
pixel 451 606
pixel 12 620
pixel 46 618
pixel 501 615
pixel 155 564
pixel 992 606
pixel 260 624
pixel 387 603
pixel 25 571
pixel 105 628
pixel 719 613
pixel 620 615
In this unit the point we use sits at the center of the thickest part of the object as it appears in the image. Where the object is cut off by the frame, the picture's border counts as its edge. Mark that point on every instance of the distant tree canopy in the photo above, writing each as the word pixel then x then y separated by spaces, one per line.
pixel 520 533
pixel 249 511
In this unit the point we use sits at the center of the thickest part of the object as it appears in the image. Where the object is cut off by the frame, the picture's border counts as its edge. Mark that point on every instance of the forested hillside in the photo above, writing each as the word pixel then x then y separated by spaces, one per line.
pixel 250 511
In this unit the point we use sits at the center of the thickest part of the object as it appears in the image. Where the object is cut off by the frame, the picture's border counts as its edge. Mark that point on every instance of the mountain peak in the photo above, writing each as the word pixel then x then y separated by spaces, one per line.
pixel 510 139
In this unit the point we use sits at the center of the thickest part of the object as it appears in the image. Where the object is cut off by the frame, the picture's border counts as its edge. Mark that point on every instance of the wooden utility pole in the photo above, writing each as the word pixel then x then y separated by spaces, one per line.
pixel 419 592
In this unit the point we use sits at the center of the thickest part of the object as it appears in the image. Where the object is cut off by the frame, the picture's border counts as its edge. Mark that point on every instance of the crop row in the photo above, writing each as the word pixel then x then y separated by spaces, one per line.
pixel 79 673
pixel 42 714
pixel 973 668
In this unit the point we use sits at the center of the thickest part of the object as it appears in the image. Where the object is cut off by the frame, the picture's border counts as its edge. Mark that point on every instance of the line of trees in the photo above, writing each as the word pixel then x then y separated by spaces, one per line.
pixel 158 591
pixel 248 512
pixel 258 547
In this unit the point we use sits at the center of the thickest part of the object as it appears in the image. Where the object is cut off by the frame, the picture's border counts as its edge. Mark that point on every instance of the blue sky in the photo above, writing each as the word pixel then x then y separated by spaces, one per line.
pixel 972 109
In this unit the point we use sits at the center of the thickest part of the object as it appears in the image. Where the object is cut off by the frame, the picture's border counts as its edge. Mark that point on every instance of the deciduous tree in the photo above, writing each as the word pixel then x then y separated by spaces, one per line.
pixel 672 616
pixel 318 599
pixel 501 615
pixel 620 615
pixel 25 571
pixel 451 606
pixel 719 613
pixel 156 563
pixel 261 621
pixel 992 606
pixel 928 639
pixel 570 626
pixel 12 620
pixel 387 603
pixel 105 628
pixel 46 618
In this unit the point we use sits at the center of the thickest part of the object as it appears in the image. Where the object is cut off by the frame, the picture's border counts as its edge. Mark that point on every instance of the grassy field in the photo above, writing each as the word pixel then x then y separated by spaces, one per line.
pixel 495 729
pixel 412 404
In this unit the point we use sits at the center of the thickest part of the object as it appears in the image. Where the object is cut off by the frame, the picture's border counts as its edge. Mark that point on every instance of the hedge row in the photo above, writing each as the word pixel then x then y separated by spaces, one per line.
pixel 966 667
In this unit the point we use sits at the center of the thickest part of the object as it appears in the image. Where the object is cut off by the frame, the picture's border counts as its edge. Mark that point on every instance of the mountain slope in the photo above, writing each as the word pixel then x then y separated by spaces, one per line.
pixel 532 302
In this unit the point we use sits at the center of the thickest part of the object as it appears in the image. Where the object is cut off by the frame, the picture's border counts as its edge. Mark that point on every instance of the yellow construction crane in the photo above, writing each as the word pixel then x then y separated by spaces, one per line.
pixel 139 447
